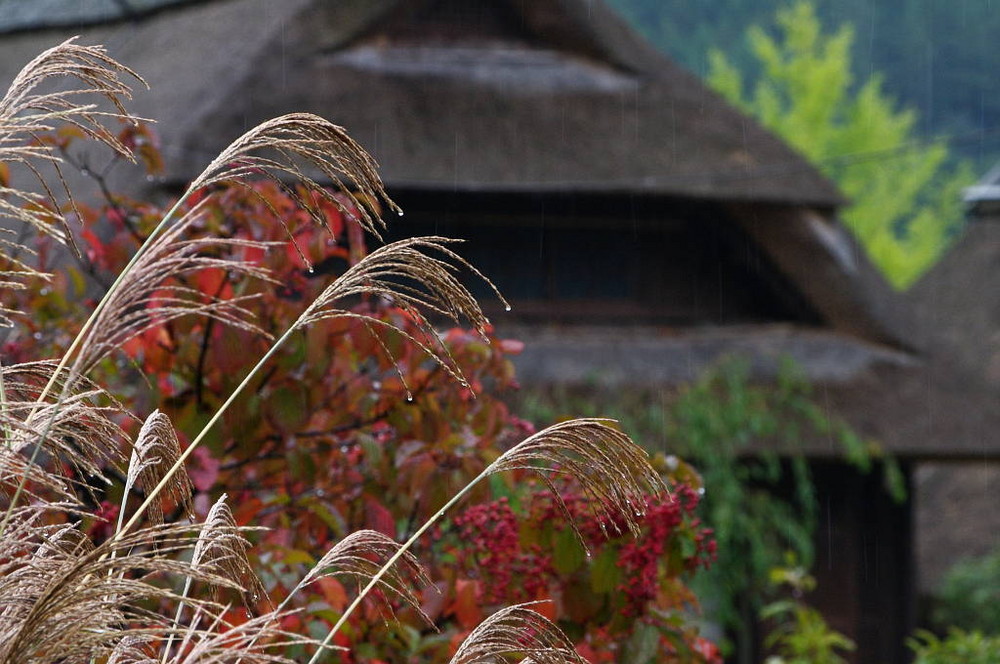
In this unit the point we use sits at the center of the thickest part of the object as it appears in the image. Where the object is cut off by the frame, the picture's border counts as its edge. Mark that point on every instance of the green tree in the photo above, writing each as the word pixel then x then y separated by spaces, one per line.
pixel 905 203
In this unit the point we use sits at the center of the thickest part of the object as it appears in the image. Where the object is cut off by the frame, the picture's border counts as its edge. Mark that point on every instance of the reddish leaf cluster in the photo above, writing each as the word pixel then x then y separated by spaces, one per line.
pixel 503 553
pixel 490 534
pixel 642 559
pixel 352 427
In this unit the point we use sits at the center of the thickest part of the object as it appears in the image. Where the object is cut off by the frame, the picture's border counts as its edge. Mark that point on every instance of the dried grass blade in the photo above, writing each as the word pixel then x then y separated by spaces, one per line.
pixel 259 640
pixel 302 143
pixel 64 595
pixel 155 450
pixel 132 649
pixel 362 555
pixel 95 71
pixel 27 111
pixel 82 432
pixel 415 274
pixel 517 632
pixel 149 294
pixel 222 550
pixel 612 470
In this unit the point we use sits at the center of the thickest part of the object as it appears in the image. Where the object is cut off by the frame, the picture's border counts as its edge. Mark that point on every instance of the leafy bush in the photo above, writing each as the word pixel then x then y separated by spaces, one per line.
pixel 358 415
pixel 969 597
pixel 801 634
pixel 746 441
pixel 614 596
pixel 959 647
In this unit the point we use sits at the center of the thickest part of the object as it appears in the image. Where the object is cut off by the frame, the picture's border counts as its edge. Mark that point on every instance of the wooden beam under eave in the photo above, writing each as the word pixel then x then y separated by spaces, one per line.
pixel 820 258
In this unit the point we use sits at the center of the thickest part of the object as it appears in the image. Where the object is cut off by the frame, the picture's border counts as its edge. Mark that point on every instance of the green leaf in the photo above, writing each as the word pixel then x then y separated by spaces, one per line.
pixel 288 409
pixel 567 555
pixel 643 646
pixel 372 450
pixel 297 556
pixel 605 575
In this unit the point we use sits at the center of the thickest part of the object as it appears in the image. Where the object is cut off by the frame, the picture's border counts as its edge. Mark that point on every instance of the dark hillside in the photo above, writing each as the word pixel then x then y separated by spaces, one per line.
pixel 937 57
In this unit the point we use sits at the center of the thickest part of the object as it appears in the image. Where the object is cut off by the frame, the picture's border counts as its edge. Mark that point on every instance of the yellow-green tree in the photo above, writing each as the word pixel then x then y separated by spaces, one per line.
pixel 905 199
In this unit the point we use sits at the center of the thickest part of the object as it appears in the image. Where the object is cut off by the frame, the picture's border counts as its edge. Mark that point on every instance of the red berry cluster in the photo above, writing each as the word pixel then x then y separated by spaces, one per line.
pixel 667 515
pixel 103 526
pixel 491 542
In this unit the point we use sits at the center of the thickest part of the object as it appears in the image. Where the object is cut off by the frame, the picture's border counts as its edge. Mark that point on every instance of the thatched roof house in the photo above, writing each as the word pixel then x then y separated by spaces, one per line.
pixel 958 301
pixel 546 132
pixel 641 227
pixel 958 306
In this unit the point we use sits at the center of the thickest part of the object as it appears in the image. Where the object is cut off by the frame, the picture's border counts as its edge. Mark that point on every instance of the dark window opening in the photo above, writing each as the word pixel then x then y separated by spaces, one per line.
pixel 567 260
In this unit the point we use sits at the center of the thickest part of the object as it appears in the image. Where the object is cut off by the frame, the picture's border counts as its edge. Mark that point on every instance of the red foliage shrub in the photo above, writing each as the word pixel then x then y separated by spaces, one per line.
pixel 353 427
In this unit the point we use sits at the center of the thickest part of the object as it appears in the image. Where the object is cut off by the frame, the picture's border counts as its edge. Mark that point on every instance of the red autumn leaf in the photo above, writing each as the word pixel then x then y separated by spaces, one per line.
pixel 253 254
pixel 545 608
pixel 196 197
pixel 342 640
pixel 432 600
pixel 116 216
pixel 512 346
pixel 234 618
pixel 291 623
pixel 421 469
pixel 377 517
pixel 466 607
pixel 246 510
pixel 204 469
pixel 333 592
pixel 96 252
pixel 213 282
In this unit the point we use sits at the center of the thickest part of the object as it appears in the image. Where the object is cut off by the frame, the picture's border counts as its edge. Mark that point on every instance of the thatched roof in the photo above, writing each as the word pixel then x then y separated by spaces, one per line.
pixel 958 306
pixel 547 97
pixel 555 95
pixel 958 303
pixel 914 407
